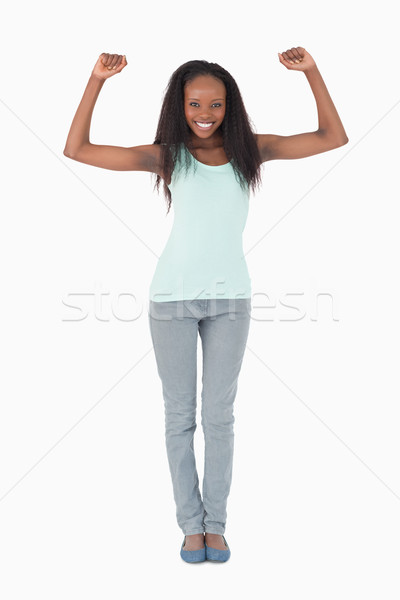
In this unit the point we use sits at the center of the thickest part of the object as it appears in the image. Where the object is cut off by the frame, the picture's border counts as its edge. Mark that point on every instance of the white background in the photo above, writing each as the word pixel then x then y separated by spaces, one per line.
pixel 86 504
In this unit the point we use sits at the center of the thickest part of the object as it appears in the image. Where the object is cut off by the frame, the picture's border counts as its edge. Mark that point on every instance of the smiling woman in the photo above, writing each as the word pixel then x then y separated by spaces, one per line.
pixel 201 284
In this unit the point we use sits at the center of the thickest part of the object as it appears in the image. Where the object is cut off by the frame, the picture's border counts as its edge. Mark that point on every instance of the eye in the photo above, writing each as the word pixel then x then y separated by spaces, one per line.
pixel 215 103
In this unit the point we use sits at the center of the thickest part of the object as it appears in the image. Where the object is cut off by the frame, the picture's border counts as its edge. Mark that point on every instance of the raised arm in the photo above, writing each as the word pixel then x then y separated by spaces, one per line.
pixel 330 133
pixel 78 146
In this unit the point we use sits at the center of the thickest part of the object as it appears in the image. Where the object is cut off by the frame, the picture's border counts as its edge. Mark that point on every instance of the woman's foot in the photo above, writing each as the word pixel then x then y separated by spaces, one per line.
pixel 194 542
pixel 214 540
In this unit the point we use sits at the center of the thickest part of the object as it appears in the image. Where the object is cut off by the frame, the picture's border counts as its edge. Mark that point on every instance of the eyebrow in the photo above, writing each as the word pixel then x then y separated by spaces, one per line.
pixel 211 100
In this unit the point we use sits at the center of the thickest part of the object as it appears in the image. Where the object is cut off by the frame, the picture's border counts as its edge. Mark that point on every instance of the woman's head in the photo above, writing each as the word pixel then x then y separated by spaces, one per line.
pixel 200 91
pixel 204 100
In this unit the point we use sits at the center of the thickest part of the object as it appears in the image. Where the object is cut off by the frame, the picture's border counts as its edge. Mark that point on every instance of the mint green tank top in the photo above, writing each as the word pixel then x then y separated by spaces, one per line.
pixel 203 257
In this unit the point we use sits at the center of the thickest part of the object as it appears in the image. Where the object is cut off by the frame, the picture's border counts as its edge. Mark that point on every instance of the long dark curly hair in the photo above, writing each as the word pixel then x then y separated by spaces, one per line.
pixel 238 135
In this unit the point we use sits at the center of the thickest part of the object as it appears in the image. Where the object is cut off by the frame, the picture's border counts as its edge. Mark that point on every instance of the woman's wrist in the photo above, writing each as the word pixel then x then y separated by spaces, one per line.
pixel 311 70
pixel 94 77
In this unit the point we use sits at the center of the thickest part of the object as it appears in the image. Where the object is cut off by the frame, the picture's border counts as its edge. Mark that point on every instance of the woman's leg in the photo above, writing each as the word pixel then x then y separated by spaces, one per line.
pixel 224 334
pixel 174 331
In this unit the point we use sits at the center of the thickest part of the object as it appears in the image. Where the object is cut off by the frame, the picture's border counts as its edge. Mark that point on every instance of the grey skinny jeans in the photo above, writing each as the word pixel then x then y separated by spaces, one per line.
pixel 223 325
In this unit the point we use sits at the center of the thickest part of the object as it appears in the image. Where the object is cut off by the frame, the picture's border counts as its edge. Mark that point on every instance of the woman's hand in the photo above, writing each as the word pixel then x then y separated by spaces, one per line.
pixel 108 65
pixel 297 59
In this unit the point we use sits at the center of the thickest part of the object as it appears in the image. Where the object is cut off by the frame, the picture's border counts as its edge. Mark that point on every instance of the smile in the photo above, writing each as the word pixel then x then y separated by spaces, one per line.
pixel 204 125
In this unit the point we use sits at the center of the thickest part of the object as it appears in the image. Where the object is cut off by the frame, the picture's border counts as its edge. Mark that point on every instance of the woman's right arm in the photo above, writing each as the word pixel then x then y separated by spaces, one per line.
pixel 118 158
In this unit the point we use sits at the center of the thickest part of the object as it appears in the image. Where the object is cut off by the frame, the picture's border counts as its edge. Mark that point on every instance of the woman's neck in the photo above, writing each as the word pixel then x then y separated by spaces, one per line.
pixel 215 142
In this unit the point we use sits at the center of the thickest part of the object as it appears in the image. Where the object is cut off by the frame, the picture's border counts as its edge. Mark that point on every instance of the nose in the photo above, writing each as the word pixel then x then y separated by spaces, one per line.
pixel 203 116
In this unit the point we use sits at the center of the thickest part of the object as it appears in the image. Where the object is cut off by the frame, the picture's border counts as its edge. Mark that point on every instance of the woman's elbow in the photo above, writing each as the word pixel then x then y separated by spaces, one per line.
pixel 342 141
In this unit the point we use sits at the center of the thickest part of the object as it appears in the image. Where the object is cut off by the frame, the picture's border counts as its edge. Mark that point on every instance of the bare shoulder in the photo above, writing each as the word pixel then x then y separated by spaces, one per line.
pixel 148 156
pixel 265 145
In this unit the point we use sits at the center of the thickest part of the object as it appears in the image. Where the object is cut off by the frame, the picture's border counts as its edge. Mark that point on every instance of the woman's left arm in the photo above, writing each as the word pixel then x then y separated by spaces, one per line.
pixel 330 133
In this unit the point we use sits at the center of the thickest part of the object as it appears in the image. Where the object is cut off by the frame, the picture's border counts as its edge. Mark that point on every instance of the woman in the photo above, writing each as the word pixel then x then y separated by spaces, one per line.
pixel 209 159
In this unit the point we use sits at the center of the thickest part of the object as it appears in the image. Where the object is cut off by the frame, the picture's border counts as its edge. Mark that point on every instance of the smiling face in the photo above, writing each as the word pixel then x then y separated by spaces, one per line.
pixel 205 102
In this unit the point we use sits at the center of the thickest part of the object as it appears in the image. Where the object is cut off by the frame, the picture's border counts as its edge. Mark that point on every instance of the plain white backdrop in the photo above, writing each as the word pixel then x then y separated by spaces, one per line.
pixel 86 504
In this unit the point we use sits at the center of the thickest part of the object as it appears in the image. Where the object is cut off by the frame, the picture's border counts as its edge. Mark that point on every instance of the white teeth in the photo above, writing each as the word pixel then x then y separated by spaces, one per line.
pixel 204 125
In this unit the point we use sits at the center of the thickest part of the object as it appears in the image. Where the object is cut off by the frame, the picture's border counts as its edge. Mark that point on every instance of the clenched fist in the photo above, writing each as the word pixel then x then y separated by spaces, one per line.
pixel 108 65
pixel 297 59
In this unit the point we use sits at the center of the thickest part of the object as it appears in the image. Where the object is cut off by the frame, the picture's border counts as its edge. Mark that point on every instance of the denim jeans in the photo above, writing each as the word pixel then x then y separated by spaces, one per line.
pixel 223 325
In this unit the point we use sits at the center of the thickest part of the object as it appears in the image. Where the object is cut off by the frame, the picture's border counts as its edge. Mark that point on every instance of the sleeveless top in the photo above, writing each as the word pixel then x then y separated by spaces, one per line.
pixel 203 257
